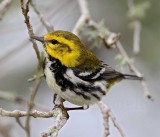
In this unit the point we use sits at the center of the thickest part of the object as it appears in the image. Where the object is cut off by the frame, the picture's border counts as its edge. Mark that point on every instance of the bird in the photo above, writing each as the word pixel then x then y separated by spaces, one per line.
pixel 75 73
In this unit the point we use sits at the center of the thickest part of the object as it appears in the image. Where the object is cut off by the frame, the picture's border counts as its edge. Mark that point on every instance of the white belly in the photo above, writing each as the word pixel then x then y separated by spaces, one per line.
pixel 68 95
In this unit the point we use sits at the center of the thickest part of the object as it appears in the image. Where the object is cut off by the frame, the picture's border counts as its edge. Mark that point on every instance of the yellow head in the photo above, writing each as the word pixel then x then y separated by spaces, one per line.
pixel 67 48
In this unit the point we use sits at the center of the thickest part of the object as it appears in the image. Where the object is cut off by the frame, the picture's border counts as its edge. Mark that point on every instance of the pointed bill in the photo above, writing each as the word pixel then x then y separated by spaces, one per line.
pixel 41 39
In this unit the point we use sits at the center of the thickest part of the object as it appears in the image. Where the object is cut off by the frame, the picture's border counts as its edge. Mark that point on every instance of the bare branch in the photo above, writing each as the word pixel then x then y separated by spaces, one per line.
pixel 85 15
pixel 4 95
pixel 111 40
pixel 136 36
pixel 107 113
pixel 119 46
pixel 33 113
pixel 86 18
pixel 18 48
pixel 134 69
pixel 136 29
pixel 25 10
pixel 4 5
pixel 61 116
pixel 31 103
pixel 104 110
pixel 59 112
pixel 61 120
pixel 35 77
pixel 116 124
pixel 46 24
pixel 20 123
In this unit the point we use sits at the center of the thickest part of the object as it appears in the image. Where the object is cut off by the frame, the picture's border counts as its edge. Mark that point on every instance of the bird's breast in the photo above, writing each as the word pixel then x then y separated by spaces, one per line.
pixel 65 83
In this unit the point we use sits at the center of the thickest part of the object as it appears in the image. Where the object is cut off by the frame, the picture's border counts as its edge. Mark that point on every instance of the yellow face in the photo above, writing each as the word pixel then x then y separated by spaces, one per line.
pixel 64 46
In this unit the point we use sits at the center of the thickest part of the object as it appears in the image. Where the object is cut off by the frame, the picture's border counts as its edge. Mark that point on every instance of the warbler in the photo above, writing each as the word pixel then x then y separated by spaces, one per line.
pixel 75 73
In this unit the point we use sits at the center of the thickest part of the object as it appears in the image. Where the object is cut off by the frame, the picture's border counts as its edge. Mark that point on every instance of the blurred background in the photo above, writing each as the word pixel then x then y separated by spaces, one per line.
pixel 137 116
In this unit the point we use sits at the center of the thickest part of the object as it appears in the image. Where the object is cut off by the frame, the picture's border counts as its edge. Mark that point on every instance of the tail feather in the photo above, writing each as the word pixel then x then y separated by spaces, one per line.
pixel 132 77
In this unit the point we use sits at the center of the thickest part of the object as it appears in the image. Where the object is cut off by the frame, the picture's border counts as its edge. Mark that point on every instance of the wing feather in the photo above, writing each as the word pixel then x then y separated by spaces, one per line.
pixel 102 72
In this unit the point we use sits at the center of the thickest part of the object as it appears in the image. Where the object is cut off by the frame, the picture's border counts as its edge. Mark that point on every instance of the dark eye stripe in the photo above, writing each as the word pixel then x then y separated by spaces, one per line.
pixel 54 41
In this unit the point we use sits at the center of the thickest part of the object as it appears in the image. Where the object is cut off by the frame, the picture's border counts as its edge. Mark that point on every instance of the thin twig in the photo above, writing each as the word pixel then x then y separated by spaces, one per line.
pixel 4 5
pixel 17 49
pixel 104 110
pixel 86 18
pixel 136 36
pixel 119 46
pixel 85 15
pixel 31 103
pixel 107 113
pixel 62 115
pixel 35 77
pixel 111 40
pixel 33 113
pixel 20 123
pixel 45 23
pixel 136 29
pixel 134 69
pixel 116 124
pixel 61 118
pixel 8 96
pixel 25 10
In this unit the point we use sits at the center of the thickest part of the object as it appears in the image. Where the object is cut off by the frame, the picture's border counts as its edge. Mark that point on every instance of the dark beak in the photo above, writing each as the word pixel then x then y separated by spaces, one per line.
pixel 41 39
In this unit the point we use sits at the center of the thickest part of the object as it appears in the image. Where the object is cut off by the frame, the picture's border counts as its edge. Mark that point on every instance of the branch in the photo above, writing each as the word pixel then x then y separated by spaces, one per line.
pixel 33 113
pixel 104 110
pixel 134 69
pixel 45 23
pixel 4 95
pixel 35 77
pixel 25 10
pixel 136 29
pixel 59 113
pixel 86 18
pixel 61 118
pixel 62 115
pixel 107 113
pixel 85 15
pixel 20 123
pixel 108 41
pixel 4 5
pixel 31 104
pixel 112 41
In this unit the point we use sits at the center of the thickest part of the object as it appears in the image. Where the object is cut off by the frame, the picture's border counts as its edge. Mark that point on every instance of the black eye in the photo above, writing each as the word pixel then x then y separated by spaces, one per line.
pixel 54 41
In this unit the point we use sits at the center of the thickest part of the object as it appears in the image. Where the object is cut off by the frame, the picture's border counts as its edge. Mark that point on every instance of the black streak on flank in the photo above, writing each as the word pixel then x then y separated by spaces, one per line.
pixel 64 83
pixel 59 70
pixel 43 66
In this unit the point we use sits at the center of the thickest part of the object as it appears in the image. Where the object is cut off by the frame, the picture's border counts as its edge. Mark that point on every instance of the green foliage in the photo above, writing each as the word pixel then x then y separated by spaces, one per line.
pixel 122 62
pixel 139 10
pixel 93 35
